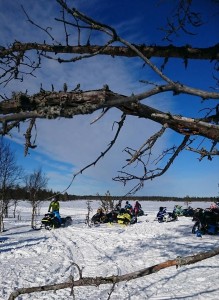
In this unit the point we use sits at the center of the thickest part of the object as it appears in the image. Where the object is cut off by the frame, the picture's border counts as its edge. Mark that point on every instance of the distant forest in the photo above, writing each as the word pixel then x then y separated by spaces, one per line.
pixel 20 193
pixel 147 198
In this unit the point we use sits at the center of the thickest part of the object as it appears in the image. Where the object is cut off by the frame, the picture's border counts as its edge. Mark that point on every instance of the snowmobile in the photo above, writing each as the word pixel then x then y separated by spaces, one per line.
pixel 50 220
pixel 101 217
pixel 206 221
pixel 168 217
pixel 164 216
pixel 140 213
pixel 126 218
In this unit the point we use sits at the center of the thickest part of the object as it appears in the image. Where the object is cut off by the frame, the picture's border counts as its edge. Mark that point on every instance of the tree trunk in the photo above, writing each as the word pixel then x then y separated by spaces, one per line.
pixel 33 217
pixel 15 207
pixel 6 209
pixel 1 216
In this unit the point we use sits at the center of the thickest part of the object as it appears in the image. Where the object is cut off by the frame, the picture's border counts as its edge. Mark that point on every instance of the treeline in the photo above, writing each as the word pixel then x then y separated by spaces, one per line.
pixel 146 198
pixel 21 193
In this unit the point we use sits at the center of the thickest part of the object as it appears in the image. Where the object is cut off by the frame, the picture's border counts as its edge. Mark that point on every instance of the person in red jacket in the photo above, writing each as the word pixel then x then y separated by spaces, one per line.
pixel 137 207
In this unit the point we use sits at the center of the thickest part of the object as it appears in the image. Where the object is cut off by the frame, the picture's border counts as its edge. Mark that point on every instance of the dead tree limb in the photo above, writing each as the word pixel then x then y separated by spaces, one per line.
pixel 97 281
pixel 18 59
pixel 203 153
pixel 52 105
pixel 102 154
pixel 209 53
pixel 124 177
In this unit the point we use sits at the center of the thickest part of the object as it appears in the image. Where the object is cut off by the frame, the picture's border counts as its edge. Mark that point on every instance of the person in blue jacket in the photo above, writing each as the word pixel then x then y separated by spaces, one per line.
pixel 128 206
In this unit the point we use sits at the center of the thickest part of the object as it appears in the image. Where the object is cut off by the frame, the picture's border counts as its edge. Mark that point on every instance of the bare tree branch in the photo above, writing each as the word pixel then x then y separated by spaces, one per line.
pixel 120 125
pixel 209 53
pixel 182 17
pixel 27 135
pixel 16 61
pixel 203 152
pixel 149 174
pixel 53 105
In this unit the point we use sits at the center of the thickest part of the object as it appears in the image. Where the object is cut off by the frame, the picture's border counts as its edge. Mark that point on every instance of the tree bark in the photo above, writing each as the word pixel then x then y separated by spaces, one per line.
pixel 184 52
pixel 52 105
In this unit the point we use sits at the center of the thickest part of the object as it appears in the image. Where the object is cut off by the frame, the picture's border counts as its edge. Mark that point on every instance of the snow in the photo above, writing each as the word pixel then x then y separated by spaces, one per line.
pixel 40 257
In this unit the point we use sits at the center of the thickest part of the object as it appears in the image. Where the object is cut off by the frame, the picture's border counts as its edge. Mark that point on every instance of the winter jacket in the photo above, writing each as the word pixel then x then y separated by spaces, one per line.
pixel 54 205
pixel 128 206
pixel 137 207
pixel 161 213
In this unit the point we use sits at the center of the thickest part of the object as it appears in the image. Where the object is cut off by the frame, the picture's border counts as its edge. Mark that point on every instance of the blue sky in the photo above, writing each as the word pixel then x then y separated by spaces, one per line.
pixel 66 146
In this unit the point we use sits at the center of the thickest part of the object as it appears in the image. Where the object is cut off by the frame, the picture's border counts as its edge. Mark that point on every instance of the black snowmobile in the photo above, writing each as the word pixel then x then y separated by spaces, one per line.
pixel 50 220
pixel 140 212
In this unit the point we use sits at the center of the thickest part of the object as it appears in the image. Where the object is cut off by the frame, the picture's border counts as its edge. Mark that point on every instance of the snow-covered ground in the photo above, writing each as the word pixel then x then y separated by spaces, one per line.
pixel 40 257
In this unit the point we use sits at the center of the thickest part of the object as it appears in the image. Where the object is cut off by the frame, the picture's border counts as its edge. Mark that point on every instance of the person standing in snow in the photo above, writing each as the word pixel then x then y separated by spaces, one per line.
pixel 137 207
pixel 128 206
pixel 118 206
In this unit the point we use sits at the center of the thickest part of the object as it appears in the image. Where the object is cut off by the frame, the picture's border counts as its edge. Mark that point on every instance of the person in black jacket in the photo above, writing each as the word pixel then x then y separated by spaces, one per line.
pixel 162 211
